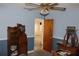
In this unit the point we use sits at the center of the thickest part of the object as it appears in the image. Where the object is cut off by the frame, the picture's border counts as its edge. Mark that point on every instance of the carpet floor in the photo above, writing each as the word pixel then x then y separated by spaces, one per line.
pixel 40 52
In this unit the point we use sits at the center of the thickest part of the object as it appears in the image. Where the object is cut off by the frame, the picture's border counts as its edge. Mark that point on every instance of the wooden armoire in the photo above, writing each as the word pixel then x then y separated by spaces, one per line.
pixel 43 34
pixel 17 40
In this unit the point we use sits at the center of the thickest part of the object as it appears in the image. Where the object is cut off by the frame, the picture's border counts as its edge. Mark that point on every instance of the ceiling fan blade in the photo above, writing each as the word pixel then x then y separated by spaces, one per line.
pixel 58 8
pixel 55 4
pixel 30 9
pixel 31 4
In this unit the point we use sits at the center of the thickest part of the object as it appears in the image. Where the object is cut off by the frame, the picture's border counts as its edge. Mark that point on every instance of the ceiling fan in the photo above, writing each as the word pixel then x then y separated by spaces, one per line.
pixel 43 7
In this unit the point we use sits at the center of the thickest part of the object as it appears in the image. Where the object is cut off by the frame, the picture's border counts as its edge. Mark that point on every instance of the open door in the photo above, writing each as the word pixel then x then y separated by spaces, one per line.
pixel 47 39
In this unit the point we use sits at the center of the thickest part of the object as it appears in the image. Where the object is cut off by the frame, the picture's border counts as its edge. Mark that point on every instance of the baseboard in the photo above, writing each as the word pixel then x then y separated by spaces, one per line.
pixel 6 38
pixel 3 38
pixel 33 37
pixel 30 36
pixel 31 51
pixel 61 38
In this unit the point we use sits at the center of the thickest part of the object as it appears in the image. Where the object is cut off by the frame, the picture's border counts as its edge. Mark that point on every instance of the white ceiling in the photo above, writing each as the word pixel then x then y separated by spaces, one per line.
pixel 66 5
pixel 69 5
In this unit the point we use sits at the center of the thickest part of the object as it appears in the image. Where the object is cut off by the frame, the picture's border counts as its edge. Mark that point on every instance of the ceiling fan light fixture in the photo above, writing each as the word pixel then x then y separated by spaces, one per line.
pixel 44 11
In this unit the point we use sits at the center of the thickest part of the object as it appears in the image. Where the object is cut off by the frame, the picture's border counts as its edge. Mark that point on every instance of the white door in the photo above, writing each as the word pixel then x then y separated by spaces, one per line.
pixel 38 34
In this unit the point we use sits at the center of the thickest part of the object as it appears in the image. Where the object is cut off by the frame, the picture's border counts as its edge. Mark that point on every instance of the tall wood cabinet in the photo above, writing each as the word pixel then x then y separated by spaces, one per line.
pixel 48 34
pixel 17 40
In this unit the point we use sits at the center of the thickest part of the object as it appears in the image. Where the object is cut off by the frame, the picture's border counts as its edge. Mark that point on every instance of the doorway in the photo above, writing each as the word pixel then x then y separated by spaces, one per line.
pixel 38 34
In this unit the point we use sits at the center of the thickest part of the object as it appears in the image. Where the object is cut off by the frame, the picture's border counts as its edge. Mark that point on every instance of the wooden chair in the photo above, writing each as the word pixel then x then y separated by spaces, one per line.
pixel 67 44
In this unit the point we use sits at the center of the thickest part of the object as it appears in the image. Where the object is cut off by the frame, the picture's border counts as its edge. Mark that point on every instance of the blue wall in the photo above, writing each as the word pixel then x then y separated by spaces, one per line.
pixel 30 43
pixel 3 45
pixel 62 19
pixel 11 14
